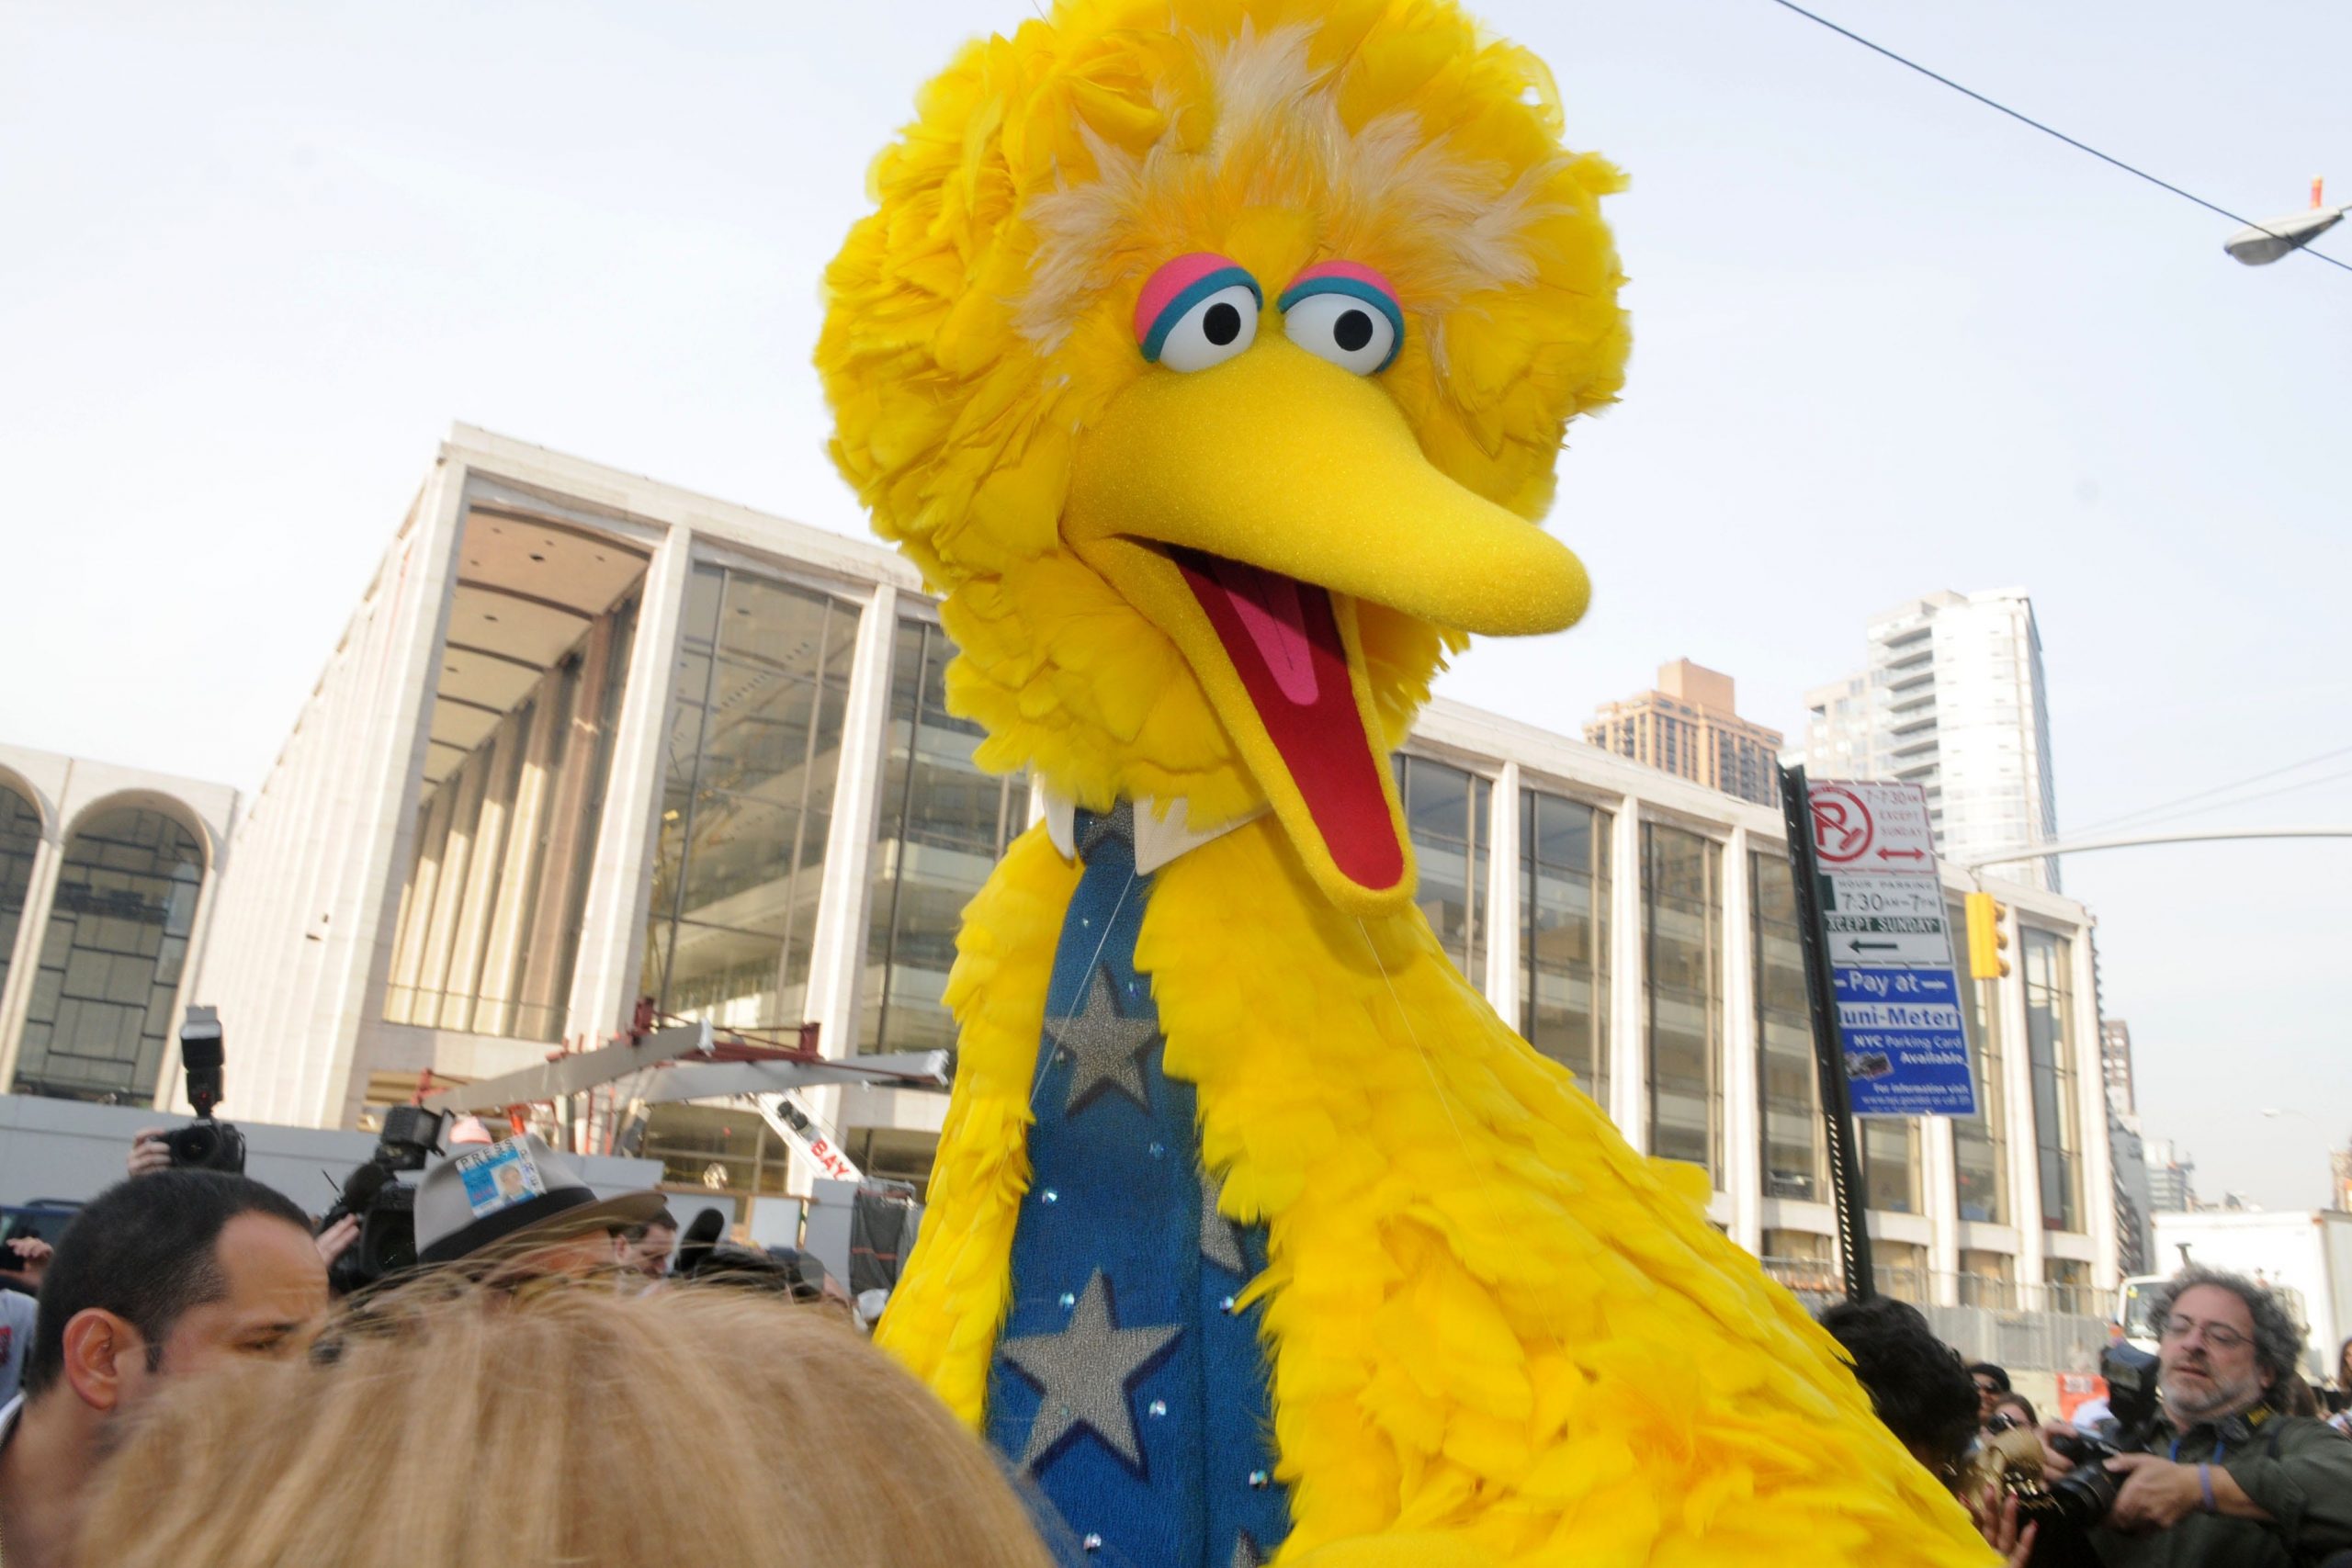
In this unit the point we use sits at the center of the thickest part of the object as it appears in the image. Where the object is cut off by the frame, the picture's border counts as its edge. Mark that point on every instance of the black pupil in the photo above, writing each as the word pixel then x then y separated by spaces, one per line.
pixel 1223 324
pixel 1352 331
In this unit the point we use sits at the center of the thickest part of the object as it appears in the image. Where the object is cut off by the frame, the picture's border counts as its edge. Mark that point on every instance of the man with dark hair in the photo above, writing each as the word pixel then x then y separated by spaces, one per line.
pixel 2222 1478
pixel 1915 1379
pixel 646 1246
pixel 157 1278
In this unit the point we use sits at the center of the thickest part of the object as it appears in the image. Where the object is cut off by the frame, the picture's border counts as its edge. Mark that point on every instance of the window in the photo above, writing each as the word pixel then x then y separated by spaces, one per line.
pixel 111 959
pixel 943 823
pixel 1787 1082
pixel 1682 934
pixel 723 1148
pixel 1806 1262
pixel 1445 812
pixel 1988 1279
pixel 1901 1270
pixel 1980 1143
pixel 1890 1151
pixel 762 683
pixel 2050 1052
pixel 2066 1283
pixel 19 842
pixel 1564 934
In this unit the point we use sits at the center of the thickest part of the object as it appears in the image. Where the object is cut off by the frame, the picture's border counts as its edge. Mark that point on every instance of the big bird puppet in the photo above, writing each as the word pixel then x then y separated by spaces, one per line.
pixel 1211 357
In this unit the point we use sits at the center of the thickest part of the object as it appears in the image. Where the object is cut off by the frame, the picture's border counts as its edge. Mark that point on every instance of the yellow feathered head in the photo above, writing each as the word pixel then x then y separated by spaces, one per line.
pixel 1211 357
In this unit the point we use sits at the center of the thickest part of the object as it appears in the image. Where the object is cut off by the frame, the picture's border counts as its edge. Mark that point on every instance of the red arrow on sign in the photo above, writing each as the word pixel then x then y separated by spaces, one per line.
pixel 1903 855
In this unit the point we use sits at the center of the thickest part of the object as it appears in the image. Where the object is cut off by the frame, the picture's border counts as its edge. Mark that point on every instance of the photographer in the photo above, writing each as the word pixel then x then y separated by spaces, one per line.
pixel 2222 1478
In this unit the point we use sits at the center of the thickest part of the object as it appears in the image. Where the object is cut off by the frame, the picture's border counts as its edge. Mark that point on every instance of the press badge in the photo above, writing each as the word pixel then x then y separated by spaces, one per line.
pixel 499 1177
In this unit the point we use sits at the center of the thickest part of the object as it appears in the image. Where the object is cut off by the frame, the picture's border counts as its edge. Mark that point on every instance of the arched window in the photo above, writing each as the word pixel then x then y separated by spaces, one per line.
pixel 19 839
pixel 111 957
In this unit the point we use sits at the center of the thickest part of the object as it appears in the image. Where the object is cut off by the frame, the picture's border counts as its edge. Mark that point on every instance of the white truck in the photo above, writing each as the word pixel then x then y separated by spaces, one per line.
pixel 2303 1254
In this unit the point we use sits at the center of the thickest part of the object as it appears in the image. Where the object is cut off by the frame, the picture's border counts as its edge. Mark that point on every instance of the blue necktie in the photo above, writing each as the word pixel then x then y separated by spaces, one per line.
pixel 1127 1381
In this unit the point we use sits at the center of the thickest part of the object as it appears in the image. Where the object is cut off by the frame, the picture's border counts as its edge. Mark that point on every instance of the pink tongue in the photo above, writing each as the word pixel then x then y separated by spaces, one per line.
pixel 1268 604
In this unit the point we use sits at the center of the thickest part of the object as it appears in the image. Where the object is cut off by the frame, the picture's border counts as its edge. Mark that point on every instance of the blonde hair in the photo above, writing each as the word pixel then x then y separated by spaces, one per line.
pixel 576 1427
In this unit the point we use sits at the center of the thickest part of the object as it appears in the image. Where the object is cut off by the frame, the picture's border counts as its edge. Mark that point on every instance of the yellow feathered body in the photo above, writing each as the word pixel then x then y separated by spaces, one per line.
pixel 1490 1321
pixel 1496 1334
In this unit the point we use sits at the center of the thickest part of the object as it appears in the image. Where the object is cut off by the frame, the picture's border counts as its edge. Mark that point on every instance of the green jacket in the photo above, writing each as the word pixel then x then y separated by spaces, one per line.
pixel 2299 1469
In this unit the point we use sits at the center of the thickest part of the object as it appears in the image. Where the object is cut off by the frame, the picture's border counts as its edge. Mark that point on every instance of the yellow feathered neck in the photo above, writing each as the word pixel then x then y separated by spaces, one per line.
pixel 1492 1322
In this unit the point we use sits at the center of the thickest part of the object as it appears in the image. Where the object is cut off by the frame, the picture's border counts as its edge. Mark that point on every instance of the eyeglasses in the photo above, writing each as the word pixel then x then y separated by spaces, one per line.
pixel 2217 1336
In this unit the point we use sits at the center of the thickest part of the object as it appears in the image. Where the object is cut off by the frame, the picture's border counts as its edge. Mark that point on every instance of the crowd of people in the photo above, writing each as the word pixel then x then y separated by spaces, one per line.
pixel 570 1379
pixel 2229 1465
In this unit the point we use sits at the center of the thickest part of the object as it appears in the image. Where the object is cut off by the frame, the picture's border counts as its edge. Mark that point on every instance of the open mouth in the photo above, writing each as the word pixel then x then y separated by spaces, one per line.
pixel 1284 639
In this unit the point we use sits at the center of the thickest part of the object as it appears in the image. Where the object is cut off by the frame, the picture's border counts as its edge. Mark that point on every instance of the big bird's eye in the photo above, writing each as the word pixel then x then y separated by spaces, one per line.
pixel 1345 314
pixel 1196 311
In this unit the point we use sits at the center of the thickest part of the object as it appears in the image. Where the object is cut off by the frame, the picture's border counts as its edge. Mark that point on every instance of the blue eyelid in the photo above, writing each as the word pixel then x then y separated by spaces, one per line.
pixel 1216 282
pixel 1355 289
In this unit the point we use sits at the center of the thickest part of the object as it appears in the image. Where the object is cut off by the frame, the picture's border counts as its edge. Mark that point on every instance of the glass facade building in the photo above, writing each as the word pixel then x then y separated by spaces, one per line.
pixel 705 756
pixel 107 882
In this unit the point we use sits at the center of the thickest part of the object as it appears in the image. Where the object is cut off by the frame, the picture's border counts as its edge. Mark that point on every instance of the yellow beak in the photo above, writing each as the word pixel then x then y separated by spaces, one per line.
pixel 1223 502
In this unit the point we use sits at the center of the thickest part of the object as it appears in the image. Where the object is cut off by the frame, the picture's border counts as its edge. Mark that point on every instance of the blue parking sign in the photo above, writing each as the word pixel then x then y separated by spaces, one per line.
pixel 1907 1053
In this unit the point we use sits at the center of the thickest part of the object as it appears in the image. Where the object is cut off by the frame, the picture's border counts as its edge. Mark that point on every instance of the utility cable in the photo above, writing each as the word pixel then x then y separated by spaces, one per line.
pixel 2208 794
pixel 2048 131
pixel 2244 799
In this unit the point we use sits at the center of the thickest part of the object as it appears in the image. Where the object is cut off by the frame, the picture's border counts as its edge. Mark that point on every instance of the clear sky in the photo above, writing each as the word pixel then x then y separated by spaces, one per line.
pixel 254 258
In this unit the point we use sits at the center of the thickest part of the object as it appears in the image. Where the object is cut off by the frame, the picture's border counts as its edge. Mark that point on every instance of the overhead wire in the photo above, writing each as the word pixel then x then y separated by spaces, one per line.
pixel 2167 805
pixel 2244 799
pixel 2050 130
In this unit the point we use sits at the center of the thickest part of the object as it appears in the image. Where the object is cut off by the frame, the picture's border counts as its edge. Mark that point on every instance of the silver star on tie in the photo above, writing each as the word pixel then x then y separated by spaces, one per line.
pixel 1220 1237
pixel 1103 1048
pixel 1085 1372
pixel 1245 1552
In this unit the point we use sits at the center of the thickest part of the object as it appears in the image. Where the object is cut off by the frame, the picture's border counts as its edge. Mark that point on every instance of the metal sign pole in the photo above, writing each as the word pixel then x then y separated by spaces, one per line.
pixel 1828 1044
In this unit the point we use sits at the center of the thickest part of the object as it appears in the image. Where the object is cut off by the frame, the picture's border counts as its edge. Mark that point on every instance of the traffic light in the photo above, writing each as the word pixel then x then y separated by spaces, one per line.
pixel 1985 938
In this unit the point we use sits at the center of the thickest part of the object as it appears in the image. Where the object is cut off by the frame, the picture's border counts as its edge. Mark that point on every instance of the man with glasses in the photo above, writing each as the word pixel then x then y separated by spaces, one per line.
pixel 2222 1478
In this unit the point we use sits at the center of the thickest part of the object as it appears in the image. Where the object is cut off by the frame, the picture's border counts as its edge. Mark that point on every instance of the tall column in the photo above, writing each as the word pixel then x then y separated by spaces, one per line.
pixel 488 860
pixel 612 926
pixel 837 967
pixel 383 778
pixel 837 944
pixel 1940 1195
pixel 2025 1154
pixel 1629 1042
pixel 32 928
pixel 2092 1135
pixel 1743 1173
pixel 518 882
pixel 1505 863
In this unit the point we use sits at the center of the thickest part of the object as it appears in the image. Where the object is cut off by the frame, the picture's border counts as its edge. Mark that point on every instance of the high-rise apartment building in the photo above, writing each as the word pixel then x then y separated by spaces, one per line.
pixel 2115 1058
pixel 1839 739
pixel 2172 1177
pixel 1951 698
pixel 1688 727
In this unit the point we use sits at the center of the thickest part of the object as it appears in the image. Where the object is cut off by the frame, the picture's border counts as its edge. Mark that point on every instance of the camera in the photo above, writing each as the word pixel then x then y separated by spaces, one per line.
pixel 2068 1508
pixel 386 1206
pixel 205 1144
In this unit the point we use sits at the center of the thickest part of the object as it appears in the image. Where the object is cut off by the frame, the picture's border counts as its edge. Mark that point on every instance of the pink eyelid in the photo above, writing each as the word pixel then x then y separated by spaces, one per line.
pixel 1356 272
pixel 1172 279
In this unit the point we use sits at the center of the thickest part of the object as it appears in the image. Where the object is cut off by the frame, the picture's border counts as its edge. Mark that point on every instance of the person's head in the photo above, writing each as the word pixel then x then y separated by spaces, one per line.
pixel 2226 1343
pixel 2343 1366
pixel 578 1426
pixel 1915 1379
pixel 161 1276
pixel 523 1208
pixel 646 1248
pixel 1991 1384
pixel 2016 1408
